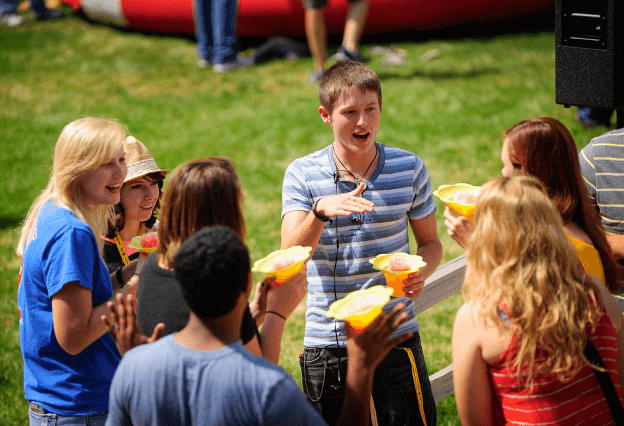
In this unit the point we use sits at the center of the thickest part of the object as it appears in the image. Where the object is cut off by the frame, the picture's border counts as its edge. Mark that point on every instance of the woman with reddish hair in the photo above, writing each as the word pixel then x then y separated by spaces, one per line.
pixel 543 147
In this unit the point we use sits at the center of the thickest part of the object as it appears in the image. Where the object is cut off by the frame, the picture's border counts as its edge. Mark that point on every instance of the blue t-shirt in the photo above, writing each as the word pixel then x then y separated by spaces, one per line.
pixel 401 189
pixel 62 249
pixel 165 383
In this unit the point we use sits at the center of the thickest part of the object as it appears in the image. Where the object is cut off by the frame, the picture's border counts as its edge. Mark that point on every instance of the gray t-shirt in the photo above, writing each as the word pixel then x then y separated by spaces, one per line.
pixel 165 383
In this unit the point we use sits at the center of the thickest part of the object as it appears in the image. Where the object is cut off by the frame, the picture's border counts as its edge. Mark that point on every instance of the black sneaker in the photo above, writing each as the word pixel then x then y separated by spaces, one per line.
pixel 48 14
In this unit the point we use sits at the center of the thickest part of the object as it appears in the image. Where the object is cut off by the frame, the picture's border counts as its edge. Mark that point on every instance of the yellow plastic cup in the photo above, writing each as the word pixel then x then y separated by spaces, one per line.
pixel 359 322
pixel 378 296
pixel 447 192
pixel 300 254
pixel 395 279
pixel 135 243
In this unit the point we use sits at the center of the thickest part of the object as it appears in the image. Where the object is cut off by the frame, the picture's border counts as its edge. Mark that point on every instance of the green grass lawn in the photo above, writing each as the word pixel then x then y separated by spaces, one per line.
pixel 450 110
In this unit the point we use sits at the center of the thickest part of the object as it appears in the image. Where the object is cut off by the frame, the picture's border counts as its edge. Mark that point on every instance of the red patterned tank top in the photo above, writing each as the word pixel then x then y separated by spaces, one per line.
pixel 579 401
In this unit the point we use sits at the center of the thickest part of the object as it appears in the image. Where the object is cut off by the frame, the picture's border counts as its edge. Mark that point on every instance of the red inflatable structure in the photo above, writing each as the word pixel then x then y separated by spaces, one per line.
pixel 285 17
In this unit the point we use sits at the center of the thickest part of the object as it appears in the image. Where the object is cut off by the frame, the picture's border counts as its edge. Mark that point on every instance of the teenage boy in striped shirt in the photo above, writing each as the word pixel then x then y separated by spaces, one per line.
pixel 350 202
pixel 602 163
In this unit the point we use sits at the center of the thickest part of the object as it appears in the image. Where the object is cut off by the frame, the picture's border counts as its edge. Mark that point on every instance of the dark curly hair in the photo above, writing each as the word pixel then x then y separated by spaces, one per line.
pixel 212 268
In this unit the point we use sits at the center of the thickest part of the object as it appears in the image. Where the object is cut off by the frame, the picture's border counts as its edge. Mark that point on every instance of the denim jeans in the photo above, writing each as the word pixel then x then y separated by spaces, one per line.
pixel 215 30
pixel 394 394
pixel 10 6
pixel 50 419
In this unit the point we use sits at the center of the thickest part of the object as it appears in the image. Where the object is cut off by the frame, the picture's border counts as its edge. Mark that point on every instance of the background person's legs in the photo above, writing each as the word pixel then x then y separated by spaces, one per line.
pixel 8 13
pixel 203 31
pixel 224 20
pixel 354 25
pixel 316 34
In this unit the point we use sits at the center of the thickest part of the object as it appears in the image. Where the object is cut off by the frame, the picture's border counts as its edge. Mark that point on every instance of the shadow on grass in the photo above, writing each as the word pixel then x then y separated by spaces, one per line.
pixel 10 222
pixel 399 75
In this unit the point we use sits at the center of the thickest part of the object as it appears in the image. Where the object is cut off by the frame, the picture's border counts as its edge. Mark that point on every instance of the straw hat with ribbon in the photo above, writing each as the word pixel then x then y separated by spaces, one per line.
pixel 139 160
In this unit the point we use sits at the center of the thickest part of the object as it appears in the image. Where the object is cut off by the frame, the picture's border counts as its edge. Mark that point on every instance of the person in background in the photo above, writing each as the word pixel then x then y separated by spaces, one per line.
pixel 136 213
pixel 544 148
pixel 601 165
pixel 69 359
pixel 215 31
pixel 316 34
pixel 9 16
pixel 202 375
pixel 207 192
pixel 351 201
pixel 590 117
pixel 522 339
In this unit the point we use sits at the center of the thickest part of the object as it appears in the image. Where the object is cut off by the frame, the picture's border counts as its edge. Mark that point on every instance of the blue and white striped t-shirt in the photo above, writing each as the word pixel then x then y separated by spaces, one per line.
pixel 602 165
pixel 400 188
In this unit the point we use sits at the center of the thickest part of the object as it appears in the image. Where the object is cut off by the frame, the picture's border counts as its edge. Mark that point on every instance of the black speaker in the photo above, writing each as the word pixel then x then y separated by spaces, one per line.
pixel 589 53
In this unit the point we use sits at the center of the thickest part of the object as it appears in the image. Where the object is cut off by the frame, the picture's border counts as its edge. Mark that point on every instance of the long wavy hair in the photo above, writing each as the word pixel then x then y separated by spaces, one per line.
pixel 200 193
pixel 521 261
pixel 83 146
pixel 534 145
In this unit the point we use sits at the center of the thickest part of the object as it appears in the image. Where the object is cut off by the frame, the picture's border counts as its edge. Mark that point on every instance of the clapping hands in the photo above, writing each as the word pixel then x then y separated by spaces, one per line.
pixel 126 333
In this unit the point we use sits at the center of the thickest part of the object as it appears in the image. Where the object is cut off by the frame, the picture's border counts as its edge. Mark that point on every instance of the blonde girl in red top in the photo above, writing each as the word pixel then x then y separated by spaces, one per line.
pixel 518 340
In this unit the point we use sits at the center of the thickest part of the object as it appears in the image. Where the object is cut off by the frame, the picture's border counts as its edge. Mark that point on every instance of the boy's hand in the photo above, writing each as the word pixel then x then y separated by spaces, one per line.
pixel 345 204
pixel 459 228
pixel 127 334
pixel 414 284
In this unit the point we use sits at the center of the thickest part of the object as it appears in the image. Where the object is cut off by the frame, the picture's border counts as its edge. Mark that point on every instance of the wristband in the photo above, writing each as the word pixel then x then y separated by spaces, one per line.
pixel 278 314
pixel 318 215
pixel 120 280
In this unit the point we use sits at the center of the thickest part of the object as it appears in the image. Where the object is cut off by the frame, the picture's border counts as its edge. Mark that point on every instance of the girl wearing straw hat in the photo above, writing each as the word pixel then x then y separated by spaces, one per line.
pixel 136 213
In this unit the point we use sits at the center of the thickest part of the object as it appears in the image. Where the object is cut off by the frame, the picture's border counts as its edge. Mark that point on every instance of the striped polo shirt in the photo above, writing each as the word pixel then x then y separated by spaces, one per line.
pixel 602 165
pixel 400 187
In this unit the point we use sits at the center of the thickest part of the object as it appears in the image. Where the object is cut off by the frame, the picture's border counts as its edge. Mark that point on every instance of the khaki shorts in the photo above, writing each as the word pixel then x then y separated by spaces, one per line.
pixel 319 4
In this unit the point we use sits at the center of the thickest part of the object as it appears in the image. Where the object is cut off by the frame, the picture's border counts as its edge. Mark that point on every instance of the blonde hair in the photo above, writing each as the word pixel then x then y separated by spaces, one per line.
pixel 84 145
pixel 520 258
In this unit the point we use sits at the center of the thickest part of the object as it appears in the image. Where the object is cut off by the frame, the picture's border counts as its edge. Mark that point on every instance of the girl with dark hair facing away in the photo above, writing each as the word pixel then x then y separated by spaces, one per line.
pixel 544 148
pixel 530 311
pixel 207 192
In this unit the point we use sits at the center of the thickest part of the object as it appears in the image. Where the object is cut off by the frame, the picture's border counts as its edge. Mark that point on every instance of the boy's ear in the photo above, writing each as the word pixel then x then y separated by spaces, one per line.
pixel 325 115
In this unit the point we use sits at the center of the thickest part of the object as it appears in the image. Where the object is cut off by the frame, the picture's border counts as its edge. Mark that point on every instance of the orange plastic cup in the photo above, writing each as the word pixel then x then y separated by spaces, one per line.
pixel 300 254
pixel 395 282
pixel 284 274
pixel 378 296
